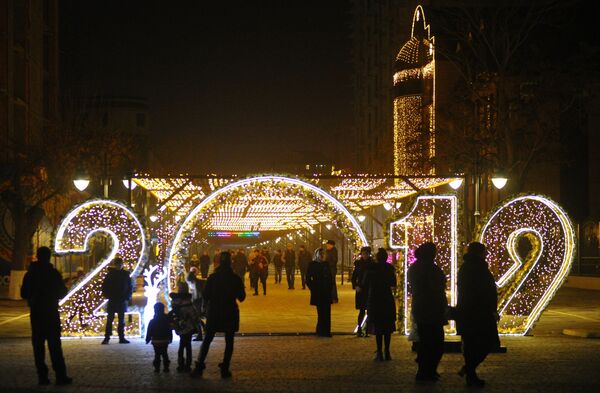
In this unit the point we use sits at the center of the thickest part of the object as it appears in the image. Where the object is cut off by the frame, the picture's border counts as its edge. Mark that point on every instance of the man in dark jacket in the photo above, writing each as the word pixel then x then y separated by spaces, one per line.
pixel 319 281
pixel 331 254
pixel 289 259
pixel 222 292
pixel 117 289
pixel 477 311
pixel 204 264
pixel 360 297
pixel 43 287
pixel 304 260
pixel 429 304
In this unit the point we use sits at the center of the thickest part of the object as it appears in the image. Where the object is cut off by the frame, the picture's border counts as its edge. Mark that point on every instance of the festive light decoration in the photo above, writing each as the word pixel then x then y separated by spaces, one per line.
pixel 153 278
pixel 228 234
pixel 79 309
pixel 527 284
pixel 270 210
pixel 414 101
pixel 431 219
pixel 288 188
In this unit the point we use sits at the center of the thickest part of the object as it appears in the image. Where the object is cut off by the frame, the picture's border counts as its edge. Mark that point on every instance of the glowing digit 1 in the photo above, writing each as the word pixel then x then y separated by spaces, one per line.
pixel 79 309
pixel 526 285
pixel 431 219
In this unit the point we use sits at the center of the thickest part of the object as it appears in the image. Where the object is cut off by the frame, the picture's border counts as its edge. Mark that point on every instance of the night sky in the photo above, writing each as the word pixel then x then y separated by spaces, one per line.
pixel 234 86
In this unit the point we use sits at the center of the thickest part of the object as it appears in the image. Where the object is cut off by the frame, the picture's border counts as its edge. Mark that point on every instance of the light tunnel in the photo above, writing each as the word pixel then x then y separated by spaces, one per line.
pixel 256 188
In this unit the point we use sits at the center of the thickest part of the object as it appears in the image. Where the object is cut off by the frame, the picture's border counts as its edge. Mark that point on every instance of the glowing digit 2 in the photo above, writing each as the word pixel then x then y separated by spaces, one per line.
pixel 79 309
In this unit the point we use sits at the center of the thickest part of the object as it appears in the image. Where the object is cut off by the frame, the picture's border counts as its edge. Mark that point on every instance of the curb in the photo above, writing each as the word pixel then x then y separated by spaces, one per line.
pixel 584 333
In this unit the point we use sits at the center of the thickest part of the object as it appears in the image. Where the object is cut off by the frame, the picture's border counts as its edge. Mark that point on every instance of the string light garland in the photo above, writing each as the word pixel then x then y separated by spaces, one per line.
pixel 433 218
pixel 287 187
pixel 79 309
pixel 526 285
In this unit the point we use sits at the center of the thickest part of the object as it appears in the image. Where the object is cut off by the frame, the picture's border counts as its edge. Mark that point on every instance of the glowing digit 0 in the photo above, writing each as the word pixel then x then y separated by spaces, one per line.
pixel 79 309
pixel 431 219
pixel 526 283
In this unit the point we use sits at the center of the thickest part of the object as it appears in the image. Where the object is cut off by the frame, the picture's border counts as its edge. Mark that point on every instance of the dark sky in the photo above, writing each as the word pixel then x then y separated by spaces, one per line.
pixel 233 86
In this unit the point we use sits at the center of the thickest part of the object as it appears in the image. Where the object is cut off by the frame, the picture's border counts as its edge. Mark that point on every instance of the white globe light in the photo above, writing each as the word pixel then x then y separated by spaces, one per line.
pixel 456 183
pixel 361 217
pixel 81 184
pixel 126 184
pixel 328 226
pixel 387 206
pixel 499 182
pixel 153 218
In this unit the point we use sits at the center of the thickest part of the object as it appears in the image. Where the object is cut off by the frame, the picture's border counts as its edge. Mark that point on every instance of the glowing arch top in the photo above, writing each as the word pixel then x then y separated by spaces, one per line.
pixel 341 215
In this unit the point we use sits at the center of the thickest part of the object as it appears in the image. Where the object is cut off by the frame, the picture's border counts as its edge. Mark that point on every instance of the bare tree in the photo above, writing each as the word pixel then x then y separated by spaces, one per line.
pixel 511 85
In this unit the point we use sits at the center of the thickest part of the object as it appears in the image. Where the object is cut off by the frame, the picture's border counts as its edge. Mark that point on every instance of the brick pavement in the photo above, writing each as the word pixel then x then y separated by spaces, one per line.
pixel 310 364
pixel 546 362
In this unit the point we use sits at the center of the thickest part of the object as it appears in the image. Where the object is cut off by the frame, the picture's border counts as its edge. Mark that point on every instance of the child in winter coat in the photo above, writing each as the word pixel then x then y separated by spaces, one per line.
pixel 159 332
pixel 184 319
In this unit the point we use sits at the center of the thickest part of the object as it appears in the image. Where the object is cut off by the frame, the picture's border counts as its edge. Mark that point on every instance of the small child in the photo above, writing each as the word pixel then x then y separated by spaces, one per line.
pixel 159 332
pixel 185 321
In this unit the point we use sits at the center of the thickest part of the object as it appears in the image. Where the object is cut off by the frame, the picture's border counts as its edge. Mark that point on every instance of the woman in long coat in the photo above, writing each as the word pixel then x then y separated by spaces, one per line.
pixel 360 297
pixel 379 279
pixel 223 290
pixel 320 282
pixel 477 311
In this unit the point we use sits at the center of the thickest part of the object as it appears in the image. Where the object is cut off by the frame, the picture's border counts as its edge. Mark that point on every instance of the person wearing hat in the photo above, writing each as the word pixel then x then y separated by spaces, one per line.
pixel 117 289
pixel 185 320
pixel 331 254
pixel 427 285
pixel 195 261
pixel 360 297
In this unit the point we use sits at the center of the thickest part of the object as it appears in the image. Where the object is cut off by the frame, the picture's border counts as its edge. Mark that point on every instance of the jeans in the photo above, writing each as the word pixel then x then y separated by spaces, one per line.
pixel 210 335
pixel 112 308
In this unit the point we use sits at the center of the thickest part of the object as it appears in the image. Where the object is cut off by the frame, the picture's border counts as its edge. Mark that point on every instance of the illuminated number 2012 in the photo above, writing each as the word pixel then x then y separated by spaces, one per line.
pixel 431 219
pixel 79 309
pixel 526 283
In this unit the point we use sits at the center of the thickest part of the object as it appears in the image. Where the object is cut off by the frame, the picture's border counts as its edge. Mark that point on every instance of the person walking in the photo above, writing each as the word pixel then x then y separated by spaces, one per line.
pixel 278 263
pixel 360 298
pixel 222 292
pixel 161 335
pixel 378 281
pixel 216 259
pixel 332 259
pixel 289 258
pixel 117 289
pixel 427 284
pixel 304 260
pixel 254 268
pixel 477 312
pixel 43 287
pixel 240 264
pixel 204 264
pixel 194 261
pixel 263 270
pixel 319 282
pixel 185 320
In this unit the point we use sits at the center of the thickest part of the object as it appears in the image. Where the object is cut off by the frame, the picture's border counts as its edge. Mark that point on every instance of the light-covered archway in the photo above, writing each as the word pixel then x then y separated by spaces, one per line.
pixel 338 213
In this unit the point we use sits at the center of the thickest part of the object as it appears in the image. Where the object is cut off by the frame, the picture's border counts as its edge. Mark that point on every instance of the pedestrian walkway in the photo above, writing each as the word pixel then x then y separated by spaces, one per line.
pixel 310 364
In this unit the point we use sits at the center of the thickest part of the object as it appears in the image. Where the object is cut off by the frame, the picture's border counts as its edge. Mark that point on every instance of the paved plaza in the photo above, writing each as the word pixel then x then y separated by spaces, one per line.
pixel 548 361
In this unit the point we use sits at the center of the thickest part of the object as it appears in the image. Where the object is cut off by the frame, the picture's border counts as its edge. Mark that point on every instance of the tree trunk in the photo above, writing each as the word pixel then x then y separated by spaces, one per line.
pixel 26 221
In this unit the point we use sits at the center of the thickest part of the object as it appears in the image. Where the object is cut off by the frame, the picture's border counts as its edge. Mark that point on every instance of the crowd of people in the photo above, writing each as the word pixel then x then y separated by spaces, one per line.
pixel 217 297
